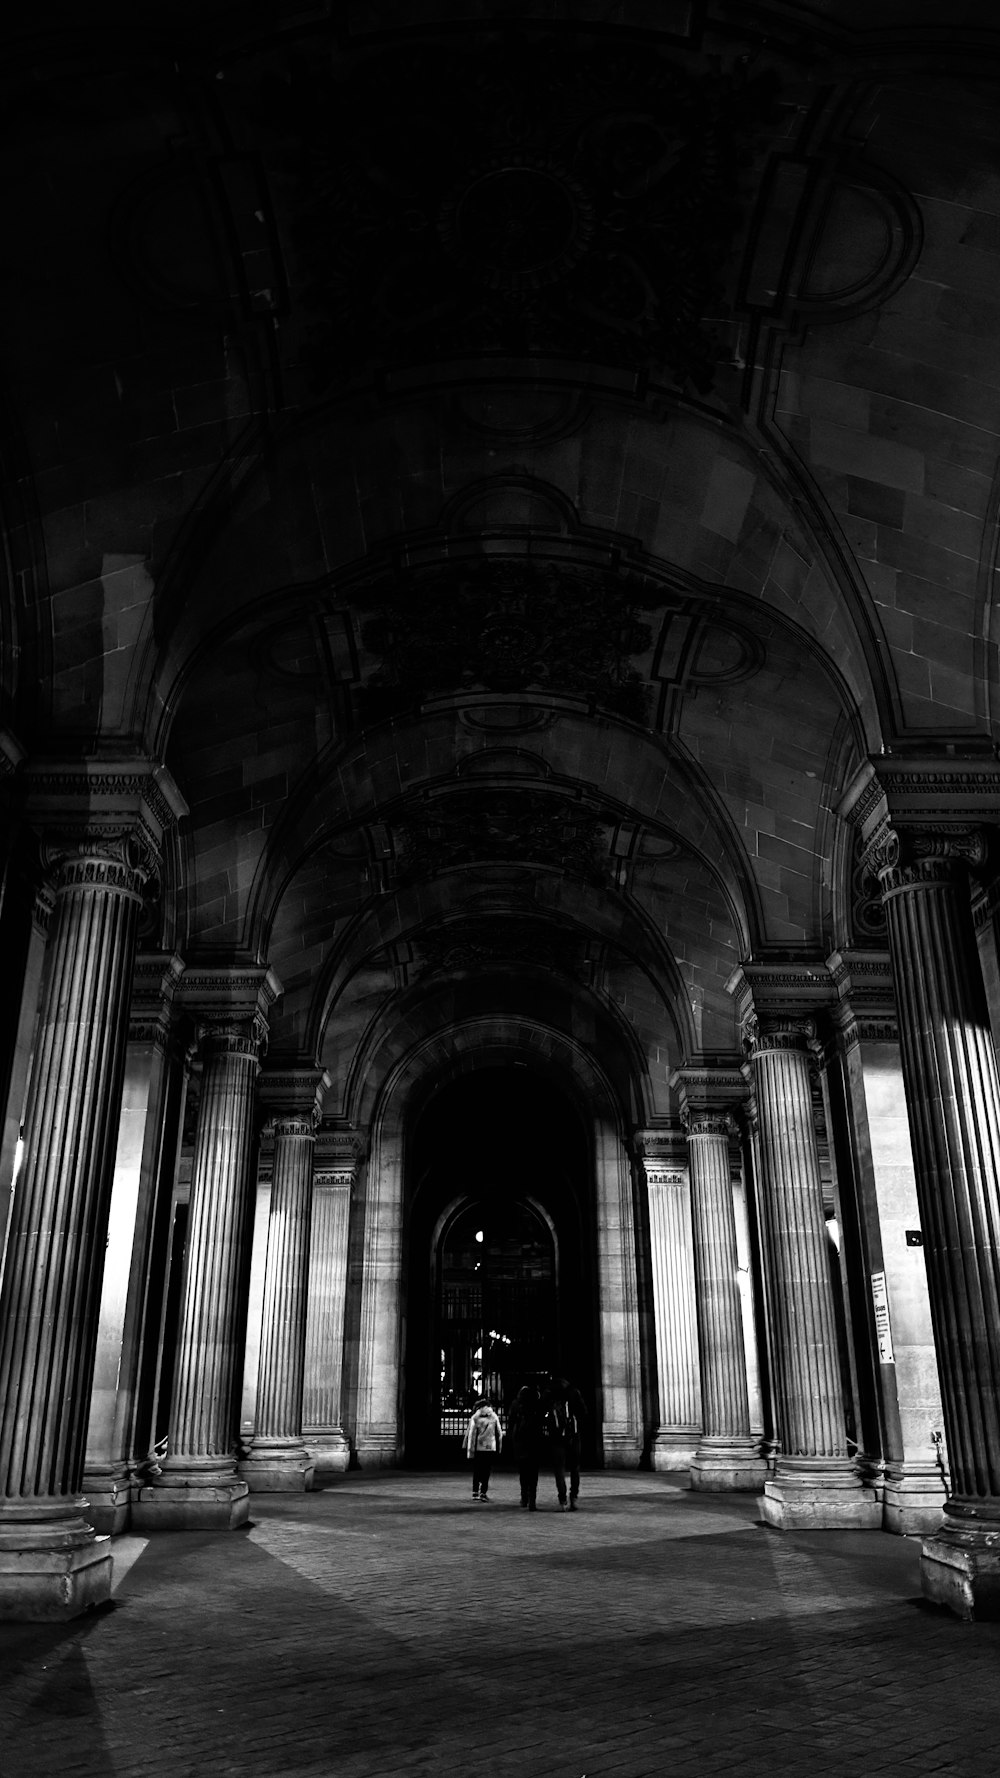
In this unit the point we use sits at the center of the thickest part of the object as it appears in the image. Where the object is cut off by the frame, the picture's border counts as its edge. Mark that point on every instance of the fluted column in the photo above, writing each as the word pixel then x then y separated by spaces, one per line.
pixel 199 1487
pixel 51 1564
pixel 663 1157
pixel 815 1484
pixel 727 1457
pixel 279 1461
pixel 334 1179
pixel 953 1103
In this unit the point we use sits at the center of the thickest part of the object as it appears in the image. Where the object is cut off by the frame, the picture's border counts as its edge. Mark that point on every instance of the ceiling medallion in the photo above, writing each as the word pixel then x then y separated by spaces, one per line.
pixel 518 223
pixel 529 194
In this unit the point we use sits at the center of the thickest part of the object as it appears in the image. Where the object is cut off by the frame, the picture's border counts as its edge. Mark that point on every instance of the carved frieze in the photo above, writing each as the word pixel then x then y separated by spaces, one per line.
pixel 508 624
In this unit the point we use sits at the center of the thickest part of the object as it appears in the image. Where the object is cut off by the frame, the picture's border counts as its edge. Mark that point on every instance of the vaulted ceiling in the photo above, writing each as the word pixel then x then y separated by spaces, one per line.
pixel 514 470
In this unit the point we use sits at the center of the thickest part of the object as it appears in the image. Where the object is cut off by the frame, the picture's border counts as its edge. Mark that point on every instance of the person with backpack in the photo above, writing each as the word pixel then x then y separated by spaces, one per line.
pixel 524 1428
pixel 564 1414
pixel 483 1439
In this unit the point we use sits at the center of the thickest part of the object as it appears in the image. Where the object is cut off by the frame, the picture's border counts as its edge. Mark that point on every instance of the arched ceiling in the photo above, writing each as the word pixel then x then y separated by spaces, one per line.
pixel 513 471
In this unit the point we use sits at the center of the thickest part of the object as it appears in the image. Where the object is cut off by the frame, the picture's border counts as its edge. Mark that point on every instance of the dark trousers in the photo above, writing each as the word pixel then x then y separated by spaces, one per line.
pixel 482 1463
pixel 566 1458
pixel 527 1475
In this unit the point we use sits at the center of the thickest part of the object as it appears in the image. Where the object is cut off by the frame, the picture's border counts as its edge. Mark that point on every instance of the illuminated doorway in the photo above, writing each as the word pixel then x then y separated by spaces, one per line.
pixel 496 1301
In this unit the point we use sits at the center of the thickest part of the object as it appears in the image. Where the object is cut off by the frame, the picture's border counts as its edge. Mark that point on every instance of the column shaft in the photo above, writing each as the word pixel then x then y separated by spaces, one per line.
pixel 279 1462
pixel 814 1484
pixel 52 1276
pixel 199 1487
pixel 727 1457
pixel 322 1405
pixel 953 1102
pixel 674 1309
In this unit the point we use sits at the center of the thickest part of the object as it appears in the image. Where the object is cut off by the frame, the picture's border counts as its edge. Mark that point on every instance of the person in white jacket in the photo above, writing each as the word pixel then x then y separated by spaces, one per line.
pixel 482 1443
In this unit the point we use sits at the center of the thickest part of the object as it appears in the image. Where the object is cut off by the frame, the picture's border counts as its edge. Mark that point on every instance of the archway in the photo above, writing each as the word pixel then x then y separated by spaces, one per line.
pixel 502 1268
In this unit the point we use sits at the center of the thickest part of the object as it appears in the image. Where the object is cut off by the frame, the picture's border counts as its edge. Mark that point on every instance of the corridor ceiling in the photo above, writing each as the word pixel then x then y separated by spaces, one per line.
pixel 514 468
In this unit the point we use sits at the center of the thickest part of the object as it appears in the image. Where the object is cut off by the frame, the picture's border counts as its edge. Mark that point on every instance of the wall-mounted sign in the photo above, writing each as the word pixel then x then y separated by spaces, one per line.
pixel 883 1332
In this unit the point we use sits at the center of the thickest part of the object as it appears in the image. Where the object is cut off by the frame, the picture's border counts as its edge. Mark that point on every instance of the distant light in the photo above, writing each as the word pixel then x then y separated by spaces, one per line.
pixel 18 1158
pixel 479 1234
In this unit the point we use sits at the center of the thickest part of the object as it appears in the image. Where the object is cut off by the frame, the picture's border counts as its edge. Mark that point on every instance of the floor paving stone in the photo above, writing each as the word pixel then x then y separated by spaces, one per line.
pixel 390 1625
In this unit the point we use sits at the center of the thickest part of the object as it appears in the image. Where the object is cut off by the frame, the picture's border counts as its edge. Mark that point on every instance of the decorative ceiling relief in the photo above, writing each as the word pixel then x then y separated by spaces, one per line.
pixel 469 944
pixel 534 195
pixel 507 626
pixel 506 826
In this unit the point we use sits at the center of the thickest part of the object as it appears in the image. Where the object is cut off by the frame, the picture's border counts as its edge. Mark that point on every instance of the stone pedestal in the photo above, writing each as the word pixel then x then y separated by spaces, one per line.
pixel 199 1488
pixel 727 1457
pixel 279 1462
pixel 953 1100
pixel 334 1178
pixel 814 1483
pixel 663 1155
pixel 51 1564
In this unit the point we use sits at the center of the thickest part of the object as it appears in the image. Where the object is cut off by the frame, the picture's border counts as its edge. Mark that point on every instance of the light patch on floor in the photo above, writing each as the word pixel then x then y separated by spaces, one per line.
pixel 125 1552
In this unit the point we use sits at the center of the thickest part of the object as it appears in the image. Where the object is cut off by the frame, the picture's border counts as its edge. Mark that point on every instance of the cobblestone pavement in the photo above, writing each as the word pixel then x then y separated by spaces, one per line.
pixel 390 1625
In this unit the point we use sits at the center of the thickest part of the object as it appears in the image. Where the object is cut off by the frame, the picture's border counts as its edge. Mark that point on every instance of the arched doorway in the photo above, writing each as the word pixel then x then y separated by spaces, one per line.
pixel 501 1286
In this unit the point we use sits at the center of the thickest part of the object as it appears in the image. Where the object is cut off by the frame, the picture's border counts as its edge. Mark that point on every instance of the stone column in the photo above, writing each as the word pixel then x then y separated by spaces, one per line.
pixel 338 1156
pixel 279 1462
pixel 727 1457
pixel 869 1116
pixel 199 1488
pixel 103 827
pixel 815 1484
pixel 664 1162
pixel 618 1302
pixel 953 1101
pixel 136 1177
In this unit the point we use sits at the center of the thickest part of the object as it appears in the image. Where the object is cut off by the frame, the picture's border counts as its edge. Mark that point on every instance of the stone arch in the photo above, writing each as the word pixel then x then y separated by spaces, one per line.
pixel 442 1055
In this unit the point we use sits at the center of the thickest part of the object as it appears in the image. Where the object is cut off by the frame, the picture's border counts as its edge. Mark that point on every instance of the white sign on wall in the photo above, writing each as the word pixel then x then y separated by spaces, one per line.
pixel 883 1331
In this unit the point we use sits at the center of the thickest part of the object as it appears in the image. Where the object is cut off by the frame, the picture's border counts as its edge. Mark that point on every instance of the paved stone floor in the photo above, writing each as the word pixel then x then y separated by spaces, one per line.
pixel 389 1625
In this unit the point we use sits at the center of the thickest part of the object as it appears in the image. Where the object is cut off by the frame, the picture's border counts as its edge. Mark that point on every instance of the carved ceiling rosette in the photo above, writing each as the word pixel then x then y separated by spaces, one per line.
pixel 508 625
pixel 534 194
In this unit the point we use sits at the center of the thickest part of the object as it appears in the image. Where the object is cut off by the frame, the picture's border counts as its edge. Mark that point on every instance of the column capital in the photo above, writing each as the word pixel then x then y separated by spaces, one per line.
pixel 707 1091
pixel 338 1156
pixel 230 1004
pixel 931 789
pixel 121 808
pixel 289 1094
pixel 155 977
pixel 866 997
pixel 662 1153
pixel 778 1003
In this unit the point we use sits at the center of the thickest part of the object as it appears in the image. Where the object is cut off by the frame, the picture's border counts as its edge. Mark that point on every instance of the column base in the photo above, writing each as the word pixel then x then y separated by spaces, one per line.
pixel 914 1497
pixel 52 1567
pixel 728 1465
pixel 46 1586
pixel 109 1492
pixel 330 1451
pixel 960 1568
pixel 192 1496
pixel 278 1466
pixel 675 1447
pixel 379 1450
pixel 819 1494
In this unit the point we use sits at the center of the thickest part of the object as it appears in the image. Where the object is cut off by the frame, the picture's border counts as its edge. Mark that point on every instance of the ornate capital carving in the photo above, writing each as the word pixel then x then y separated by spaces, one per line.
pixel 111 810
pixel 287 1124
pixel 236 1038
pixel 290 1095
pixel 700 1121
pixel 775 1031
pixel 920 857
pixel 118 863
pixel 662 1155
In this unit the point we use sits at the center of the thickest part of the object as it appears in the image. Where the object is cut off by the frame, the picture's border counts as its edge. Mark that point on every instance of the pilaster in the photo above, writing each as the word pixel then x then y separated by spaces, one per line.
pixel 662 1155
pixel 279 1461
pixel 101 826
pixel 338 1157
pixel 727 1456
pixel 198 1487
pixel 814 1485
